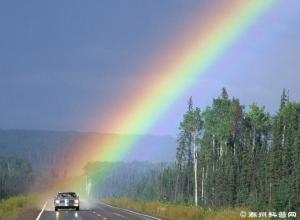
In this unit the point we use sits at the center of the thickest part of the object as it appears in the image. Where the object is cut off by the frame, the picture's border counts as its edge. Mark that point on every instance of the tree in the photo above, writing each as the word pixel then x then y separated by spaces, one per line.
pixel 192 124
pixel 16 176
pixel 295 179
pixel 184 161
pixel 224 94
pixel 260 124
pixel 259 135
pixel 282 166
pixel 284 99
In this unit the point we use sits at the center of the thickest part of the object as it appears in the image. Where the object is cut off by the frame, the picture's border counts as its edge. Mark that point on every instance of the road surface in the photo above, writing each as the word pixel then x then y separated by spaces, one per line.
pixel 90 211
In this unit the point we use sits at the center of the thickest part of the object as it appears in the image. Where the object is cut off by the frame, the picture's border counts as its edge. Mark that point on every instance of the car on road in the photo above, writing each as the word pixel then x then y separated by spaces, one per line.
pixel 66 200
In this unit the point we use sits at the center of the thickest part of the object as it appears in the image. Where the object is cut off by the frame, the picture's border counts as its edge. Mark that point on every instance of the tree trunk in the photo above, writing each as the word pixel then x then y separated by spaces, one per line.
pixel 234 143
pixel 202 185
pixel 195 170
pixel 234 149
pixel 253 139
pixel 283 136
pixel 213 153
pixel 270 196
pixel 221 151
pixel 177 181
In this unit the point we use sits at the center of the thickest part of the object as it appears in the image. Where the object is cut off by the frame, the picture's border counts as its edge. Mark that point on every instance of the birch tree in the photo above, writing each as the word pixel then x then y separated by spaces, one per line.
pixel 192 123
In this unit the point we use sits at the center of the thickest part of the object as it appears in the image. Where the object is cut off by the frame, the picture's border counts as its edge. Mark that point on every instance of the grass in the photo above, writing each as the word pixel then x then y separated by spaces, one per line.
pixel 11 208
pixel 176 211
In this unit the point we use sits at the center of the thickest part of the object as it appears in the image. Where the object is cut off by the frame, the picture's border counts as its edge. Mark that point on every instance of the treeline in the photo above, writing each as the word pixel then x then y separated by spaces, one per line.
pixel 135 180
pixel 239 156
pixel 16 176
pixel 244 158
pixel 51 151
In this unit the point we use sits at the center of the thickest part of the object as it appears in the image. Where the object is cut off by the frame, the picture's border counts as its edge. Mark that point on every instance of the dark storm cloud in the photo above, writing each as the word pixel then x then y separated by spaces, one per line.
pixel 62 62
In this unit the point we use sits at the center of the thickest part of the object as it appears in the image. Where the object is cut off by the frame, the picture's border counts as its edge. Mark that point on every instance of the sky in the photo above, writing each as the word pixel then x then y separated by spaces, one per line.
pixel 64 63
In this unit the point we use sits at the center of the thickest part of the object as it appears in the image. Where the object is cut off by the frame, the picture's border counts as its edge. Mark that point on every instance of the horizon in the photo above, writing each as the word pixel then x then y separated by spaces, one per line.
pixel 246 107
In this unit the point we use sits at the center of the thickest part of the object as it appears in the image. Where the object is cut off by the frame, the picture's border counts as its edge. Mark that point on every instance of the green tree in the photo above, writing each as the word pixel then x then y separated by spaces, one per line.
pixel 16 176
pixel 282 164
pixel 192 124
pixel 284 99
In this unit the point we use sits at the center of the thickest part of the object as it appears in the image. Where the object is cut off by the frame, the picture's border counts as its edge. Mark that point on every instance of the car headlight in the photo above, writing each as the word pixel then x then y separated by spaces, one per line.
pixel 76 201
pixel 56 201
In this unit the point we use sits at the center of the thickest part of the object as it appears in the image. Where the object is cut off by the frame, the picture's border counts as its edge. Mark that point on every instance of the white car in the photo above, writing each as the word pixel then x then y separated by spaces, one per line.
pixel 66 200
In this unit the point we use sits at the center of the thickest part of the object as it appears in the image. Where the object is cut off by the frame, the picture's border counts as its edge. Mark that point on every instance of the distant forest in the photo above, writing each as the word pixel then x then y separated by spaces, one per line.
pixel 241 157
pixel 49 151
pixel 16 176
pixel 33 160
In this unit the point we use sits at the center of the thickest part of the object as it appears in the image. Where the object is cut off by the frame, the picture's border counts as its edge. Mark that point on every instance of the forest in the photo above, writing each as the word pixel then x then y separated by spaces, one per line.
pixel 228 155
pixel 16 176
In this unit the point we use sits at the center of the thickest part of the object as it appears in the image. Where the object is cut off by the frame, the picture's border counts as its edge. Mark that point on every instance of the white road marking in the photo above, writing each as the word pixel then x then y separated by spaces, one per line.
pixel 137 213
pixel 117 214
pixel 38 217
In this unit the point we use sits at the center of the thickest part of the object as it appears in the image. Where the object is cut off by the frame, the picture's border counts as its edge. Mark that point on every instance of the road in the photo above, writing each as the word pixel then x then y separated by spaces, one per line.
pixel 90 211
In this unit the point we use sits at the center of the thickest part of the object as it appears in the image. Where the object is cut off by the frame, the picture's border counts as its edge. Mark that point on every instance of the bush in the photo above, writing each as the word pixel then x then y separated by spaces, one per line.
pixel 11 208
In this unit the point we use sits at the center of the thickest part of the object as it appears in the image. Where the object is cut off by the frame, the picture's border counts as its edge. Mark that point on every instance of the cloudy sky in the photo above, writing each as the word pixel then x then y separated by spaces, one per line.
pixel 62 62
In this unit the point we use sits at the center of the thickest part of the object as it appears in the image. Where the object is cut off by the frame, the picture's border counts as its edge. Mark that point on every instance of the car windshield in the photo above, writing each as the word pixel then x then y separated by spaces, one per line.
pixel 67 194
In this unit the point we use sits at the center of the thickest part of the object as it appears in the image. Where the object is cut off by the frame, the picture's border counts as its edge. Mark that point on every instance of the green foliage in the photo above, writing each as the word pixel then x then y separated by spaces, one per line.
pixel 16 176
pixel 11 208
pixel 246 158
pixel 140 180
pixel 284 164
pixel 284 99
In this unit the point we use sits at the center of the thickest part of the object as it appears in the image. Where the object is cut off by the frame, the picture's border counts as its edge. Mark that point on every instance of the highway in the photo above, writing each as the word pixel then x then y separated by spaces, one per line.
pixel 88 211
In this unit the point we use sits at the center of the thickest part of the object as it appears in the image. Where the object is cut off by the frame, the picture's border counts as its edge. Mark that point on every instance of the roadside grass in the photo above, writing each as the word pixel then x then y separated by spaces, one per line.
pixel 177 211
pixel 11 208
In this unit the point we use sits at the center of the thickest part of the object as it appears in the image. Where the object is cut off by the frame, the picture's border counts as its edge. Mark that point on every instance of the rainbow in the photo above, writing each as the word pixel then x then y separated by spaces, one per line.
pixel 203 43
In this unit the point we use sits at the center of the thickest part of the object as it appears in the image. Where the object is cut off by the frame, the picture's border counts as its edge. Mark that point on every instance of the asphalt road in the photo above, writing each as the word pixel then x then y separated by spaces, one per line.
pixel 90 211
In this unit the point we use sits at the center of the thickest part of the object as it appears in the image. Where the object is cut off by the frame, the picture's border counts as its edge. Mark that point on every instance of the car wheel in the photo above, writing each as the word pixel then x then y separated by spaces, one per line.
pixel 77 208
pixel 56 209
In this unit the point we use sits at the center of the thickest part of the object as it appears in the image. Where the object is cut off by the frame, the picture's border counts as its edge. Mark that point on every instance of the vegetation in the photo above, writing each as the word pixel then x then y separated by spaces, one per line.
pixel 241 157
pixel 13 208
pixel 131 180
pixel 246 158
pixel 16 176
pixel 176 211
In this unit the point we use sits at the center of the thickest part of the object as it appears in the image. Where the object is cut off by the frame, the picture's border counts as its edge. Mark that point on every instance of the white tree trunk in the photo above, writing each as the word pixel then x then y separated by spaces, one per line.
pixel 202 185
pixel 283 134
pixel 253 139
pixel 8 168
pixel 88 186
pixel 234 144
pixel 234 149
pixel 270 196
pixel 195 170
pixel 213 152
